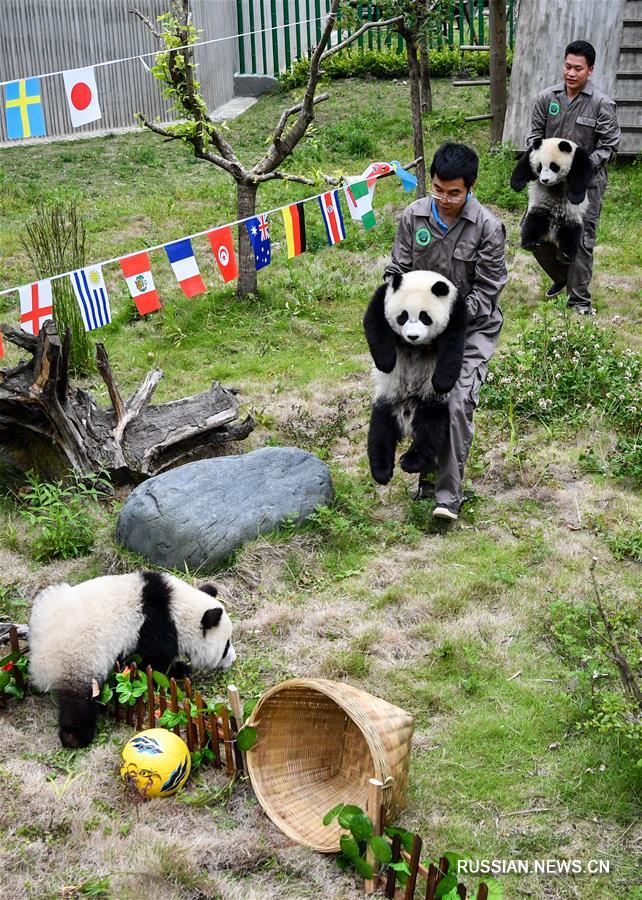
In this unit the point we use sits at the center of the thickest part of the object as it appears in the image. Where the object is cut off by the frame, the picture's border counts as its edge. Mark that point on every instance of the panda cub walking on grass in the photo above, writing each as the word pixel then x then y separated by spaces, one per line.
pixel 558 173
pixel 76 634
pixel 415 327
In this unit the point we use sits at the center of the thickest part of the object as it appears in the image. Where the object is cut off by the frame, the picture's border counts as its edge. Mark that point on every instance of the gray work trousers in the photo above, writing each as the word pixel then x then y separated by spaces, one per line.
pixel 578 274
pixel 481 341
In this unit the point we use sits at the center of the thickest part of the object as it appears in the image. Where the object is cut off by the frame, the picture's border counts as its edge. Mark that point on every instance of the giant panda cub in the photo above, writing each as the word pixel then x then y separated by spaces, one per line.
pixel 558 173
pixel 76 634
pixel 415 327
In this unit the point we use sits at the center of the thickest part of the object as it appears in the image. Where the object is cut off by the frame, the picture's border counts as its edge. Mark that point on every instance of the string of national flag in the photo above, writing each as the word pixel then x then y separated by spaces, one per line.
pixel 90 290
pixel 24 110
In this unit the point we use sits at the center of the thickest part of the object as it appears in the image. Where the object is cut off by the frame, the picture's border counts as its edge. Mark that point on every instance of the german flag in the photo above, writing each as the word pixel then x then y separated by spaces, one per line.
pixel 294 219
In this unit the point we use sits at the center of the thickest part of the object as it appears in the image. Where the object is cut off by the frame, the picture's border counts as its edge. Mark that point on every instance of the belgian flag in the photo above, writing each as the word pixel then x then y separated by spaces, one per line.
pixel 294 219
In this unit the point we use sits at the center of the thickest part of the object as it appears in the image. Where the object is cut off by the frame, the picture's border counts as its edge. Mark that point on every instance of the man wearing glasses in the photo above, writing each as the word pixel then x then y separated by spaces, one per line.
pixel 450 232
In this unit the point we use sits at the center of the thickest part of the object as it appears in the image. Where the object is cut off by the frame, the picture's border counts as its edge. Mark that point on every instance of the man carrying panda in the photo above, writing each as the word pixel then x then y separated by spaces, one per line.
pixel 450 232
pixel 576 110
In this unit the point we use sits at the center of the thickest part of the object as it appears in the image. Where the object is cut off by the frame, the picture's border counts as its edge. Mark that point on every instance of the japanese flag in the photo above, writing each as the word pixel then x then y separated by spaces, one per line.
pixel 82 96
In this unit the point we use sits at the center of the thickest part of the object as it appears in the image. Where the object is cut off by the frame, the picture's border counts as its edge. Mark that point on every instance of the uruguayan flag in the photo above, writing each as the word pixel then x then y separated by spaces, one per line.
pixel 91 293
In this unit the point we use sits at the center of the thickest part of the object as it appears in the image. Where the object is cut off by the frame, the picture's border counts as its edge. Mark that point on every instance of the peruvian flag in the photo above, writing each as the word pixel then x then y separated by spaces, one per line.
pixel 222 242
pixel 185 267
pixel 82 96
pixel 36 305
pixel 138 275
pixel 332 216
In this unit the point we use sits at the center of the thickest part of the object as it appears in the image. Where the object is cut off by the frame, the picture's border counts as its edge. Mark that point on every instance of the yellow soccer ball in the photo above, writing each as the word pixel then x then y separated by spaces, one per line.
pixel 156 762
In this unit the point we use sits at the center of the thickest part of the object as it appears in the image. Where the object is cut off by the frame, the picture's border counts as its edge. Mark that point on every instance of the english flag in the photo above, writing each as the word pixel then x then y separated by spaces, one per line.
pixel 82 96
pixel 138 275
pixel 185 267
pixel 332 216
pixel 36 305
pixel 91 294
pixel 222 242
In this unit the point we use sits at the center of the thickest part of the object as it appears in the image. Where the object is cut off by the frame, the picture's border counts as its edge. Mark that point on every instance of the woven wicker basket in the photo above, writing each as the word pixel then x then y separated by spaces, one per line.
pixel 318 744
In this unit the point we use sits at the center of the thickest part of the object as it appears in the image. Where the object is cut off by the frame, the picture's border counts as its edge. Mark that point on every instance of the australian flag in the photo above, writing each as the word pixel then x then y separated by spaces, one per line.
pixel 259 233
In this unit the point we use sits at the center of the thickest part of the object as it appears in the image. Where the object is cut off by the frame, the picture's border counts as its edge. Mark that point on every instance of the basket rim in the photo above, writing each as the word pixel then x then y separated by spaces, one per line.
pixel 335 691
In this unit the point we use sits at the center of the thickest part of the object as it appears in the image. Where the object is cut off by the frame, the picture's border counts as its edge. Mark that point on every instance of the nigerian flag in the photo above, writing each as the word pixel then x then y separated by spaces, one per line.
pixel 360 203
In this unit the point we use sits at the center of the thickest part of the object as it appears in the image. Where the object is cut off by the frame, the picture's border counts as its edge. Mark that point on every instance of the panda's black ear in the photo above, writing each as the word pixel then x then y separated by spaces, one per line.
pixel 537 143
pixel 522 173
pixel 396 280
pixel 579 177
pixel 211 618
pixel 440 289
pixel 210 589
pixel 565 147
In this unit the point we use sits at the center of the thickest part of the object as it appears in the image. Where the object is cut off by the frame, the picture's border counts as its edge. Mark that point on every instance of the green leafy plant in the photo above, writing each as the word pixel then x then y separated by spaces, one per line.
pixel 59 515
pixel 9 666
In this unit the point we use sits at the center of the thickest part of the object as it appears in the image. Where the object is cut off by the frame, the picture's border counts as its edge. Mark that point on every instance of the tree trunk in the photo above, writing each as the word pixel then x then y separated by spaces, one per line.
pixel 50 427
pixel 424 68
pixel 245 206
pixel 415 109
pixel 497 69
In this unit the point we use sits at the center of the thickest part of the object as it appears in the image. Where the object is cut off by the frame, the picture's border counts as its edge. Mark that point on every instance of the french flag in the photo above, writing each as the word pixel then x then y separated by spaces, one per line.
pixel 181 256
pixel 332 217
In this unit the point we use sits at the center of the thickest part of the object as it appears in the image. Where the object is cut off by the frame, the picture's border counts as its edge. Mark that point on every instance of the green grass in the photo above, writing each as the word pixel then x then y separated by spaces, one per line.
pixel 453 624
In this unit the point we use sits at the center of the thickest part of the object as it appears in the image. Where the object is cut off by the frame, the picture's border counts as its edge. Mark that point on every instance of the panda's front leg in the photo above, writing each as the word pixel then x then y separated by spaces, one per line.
pixel 383 437
pixel 429 429
pixel 534 227
pixel 569 236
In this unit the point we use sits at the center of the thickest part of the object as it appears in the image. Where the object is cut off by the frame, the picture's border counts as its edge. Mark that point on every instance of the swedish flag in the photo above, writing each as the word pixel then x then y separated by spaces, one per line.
pixel 23 107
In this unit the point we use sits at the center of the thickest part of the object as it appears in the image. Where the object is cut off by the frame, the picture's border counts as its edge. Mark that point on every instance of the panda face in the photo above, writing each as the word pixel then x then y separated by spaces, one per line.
pixel 551 160
pixel 418 304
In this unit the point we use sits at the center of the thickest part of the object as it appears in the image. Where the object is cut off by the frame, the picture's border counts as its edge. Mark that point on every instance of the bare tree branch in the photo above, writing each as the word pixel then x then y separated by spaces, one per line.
pixel 147 22
pixel 283 176
pixel 357 34
pixel 278 131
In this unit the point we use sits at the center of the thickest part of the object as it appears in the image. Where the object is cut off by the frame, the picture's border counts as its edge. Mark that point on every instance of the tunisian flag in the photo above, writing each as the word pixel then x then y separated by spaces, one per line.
pixel 82 96
pixel 222 242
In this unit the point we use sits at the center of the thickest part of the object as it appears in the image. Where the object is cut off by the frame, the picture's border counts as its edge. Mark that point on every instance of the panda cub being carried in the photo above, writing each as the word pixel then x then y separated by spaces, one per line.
pixel 415 327
pixel 76 634
pixel 558 173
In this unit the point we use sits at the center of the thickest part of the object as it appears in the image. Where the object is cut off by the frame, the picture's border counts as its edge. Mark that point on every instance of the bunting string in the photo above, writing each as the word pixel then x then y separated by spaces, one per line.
pixel 141 56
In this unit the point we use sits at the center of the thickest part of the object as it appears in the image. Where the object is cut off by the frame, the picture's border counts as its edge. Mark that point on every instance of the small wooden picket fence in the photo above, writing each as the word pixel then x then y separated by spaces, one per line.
pixel 387 877
pixel 205 729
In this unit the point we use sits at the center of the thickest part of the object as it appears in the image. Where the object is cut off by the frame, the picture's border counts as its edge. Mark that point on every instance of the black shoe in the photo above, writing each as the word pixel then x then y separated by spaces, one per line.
pixel 556 288
pixel 425 489
pixel 448 511
pixel 582 308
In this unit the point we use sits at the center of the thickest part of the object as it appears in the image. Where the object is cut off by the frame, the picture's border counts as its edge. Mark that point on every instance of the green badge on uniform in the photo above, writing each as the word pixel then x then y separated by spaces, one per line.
pixel 554 108
pixel 423 236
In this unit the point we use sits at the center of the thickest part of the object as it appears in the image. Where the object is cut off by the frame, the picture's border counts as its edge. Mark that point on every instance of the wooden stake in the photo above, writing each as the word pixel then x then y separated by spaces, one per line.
pixel 15 648
pixel 227 742
pixel 373 808
pixel 189 728
pixel 214 744
pixel 237 724
pixel 174 703
pixel 392 875
pixel 151 706
pixel 200 723
pixel 414 868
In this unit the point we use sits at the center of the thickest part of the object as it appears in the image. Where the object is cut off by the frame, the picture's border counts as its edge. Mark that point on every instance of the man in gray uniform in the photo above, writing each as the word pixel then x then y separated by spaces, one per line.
pixel 450 232
pixel 575 109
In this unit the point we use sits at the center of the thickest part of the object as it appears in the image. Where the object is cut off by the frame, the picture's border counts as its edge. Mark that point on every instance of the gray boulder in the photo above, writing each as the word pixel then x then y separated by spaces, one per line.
pixel 199 513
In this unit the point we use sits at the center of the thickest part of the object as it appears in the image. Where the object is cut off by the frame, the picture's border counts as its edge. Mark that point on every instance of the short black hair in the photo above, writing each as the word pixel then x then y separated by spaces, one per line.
pixel 582 48
pixel 455 161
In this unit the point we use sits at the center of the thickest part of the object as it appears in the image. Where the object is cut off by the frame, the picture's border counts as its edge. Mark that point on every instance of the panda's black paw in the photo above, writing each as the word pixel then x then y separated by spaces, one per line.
pixel 413 461
pixel 381 474
pixel 529 245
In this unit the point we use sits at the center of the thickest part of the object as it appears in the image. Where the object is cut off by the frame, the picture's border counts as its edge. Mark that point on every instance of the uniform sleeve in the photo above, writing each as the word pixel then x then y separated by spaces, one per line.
pixel 401 256
pixel 607 134
pixel 490 274
pixel 538 119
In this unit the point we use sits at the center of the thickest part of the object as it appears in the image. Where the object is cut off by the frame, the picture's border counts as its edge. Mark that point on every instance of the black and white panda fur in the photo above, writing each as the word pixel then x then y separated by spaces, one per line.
pixel 558 173
pixel 76 634
pixel 415 327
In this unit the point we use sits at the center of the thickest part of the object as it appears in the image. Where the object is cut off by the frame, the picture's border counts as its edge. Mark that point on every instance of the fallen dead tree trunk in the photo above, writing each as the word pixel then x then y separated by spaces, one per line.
pixel 49 427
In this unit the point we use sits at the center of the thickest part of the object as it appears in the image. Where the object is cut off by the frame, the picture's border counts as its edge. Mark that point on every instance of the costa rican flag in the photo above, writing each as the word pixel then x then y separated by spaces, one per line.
pixel 91 293
pixel 332 217
pixel 181 256
pixel 36 305
pixel 138 275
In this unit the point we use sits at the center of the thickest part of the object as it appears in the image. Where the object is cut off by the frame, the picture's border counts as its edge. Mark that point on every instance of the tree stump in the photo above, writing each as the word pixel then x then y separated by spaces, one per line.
pixel 50 427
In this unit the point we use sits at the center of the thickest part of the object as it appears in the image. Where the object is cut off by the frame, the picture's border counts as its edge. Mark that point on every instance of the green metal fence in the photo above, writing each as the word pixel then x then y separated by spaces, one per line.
pixel 274 33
